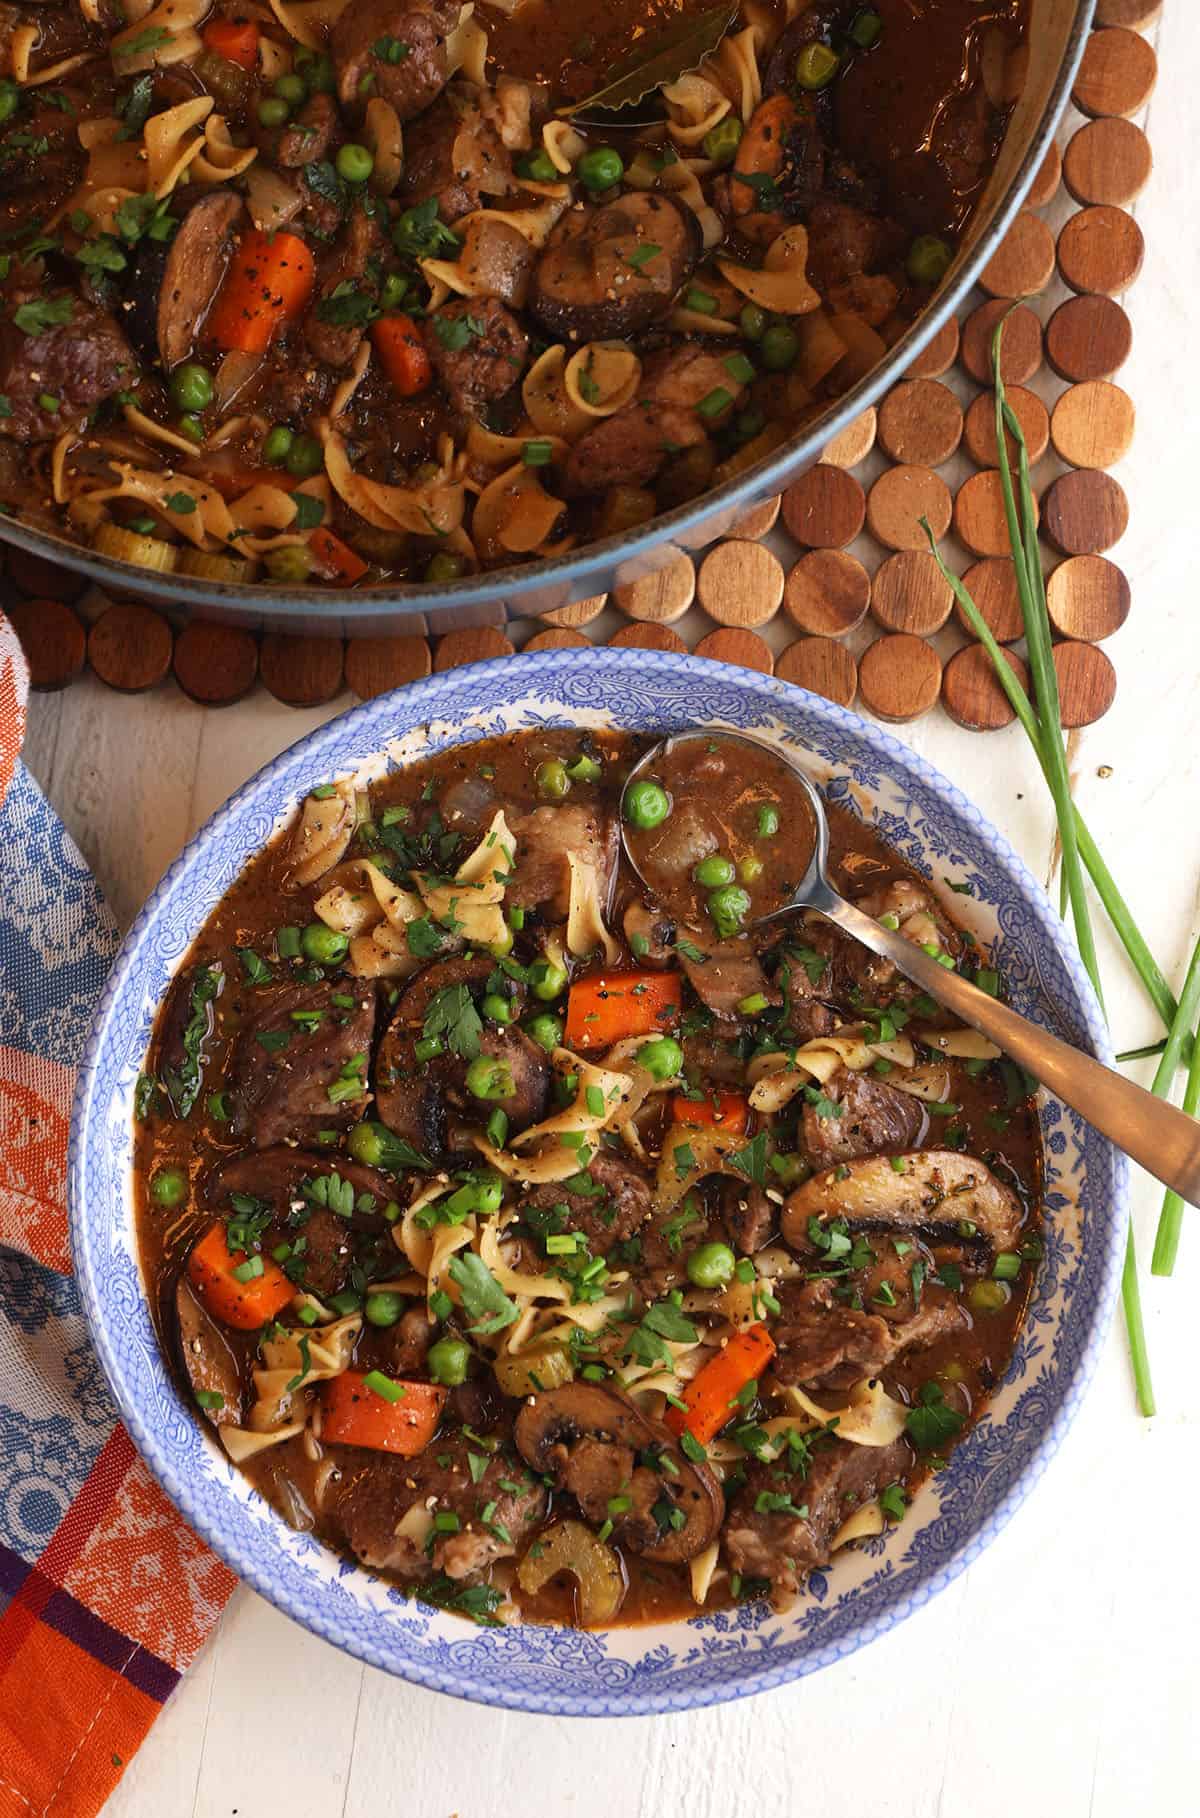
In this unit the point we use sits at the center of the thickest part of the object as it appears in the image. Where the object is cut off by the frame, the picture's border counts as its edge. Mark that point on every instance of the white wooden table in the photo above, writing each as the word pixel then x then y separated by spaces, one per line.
pixel 1056 1677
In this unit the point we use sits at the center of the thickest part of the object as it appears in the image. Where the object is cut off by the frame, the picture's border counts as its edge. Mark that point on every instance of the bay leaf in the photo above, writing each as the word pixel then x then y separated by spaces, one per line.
pixel 667 57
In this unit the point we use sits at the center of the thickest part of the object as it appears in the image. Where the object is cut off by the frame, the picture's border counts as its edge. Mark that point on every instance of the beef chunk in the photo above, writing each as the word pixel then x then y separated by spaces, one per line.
pixel 541 877
pixel 333 341
pixel 629 448
pixel 824 1344
pixel 478 350
pixel 725 974
pixel 325 1243
pixel 529 1067
pixel 310 136
pixel 79 361
pixel 453 153
pixel 748 1213
pixel 398 1350
pixel 281 1069
pixel 608 1217
pixel 872 1118
pixel 393 49
pixel 649 933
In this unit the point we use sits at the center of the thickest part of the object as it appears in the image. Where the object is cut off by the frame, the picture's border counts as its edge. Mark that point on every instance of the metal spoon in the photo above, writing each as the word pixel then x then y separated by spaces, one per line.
pixel 1153 1133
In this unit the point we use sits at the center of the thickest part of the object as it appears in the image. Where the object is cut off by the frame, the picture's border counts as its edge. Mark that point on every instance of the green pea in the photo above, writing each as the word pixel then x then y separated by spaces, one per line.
pixel 645 804
pixel 545 1030
pixel 537 167
pixel 728 908
pixel 552 780
pixel 292 89
pixel 10 100
pixel 768 822
pixel 714 871
pixel 169 1187
pixel 753 321
pixel 750 868
pixel 191 427
pixel 448 1361
pixel 383 1309
pixel 601 168
pixel 354 163
pixel 443 567
pixel 489 1079
pixel 585 769
pixel 395 289
pixel 928 259
pixel 547 979
pixel 191 387
pixel 497 1009
pixel 720 143
pixel 662 1058
pixel 502 947
pixel 816 66
pixel 290 565
pixel 711 1266
pixel 273 111
pixel 865 30
pixel 779 347
pixel 277 445
pixel 304 458
pixel 324 945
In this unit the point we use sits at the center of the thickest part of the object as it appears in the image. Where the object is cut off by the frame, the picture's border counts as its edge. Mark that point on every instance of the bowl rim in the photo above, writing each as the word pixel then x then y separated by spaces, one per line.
pixel 581 573
pixel 470 1682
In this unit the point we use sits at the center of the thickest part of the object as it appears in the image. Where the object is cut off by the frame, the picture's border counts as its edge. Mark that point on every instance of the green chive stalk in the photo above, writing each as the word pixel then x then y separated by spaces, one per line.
pixel 1170 1219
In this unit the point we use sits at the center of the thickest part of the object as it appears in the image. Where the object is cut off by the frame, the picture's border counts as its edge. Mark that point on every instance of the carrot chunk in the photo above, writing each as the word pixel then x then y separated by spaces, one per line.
pixel 728 1113
pixel 380 1413
pixel 213 1270
pixel 610 1006
pixel 336 560
pixel 233 39
pixel 268 284
pixel 711 1396
pixel 402 354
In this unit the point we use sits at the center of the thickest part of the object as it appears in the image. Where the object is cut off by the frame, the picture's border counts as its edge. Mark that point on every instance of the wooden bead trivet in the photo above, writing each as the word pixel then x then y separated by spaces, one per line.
pixel 1088 338
pixel 130 648
pixel 908 594
pixel 822 666
pixel 303 672
pixel 1023 263
pixel 377 665
pixel 648 637
pixel 920 421
pixel 899 677
pixel 1116 75
pixel 1131 13
pixel 728 645
pixel 1108 161
pixel 1021 352
pixel 41 579
pixel 53 639
pixel 1044 187
pixel 1085 513
pixel 856 440
pixel 740 584
pixel 940 354
pixel 824 508
pixel 578 615
pixel 1087 598
pixel 902 496
pixel 827 593
pixel 558 639
pixel 1087 683
pixel 980 522
pixel 972 694
pixel 760 520
pixel 992 584
pixel 1092 424
pixel 1100 251
pixel 475 645
pixel 979 428
pixel 215 665
pixel 660 596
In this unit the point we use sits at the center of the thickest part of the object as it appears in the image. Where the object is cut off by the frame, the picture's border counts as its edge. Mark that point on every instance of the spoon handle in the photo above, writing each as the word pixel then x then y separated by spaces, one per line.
pixel 1160 1138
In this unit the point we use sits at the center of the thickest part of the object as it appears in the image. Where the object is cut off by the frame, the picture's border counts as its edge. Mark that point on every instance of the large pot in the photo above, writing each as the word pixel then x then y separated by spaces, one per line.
pixel 1057 32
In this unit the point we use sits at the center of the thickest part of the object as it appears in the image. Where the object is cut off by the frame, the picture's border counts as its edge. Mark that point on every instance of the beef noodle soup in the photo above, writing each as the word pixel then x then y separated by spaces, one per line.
pixel 560 1243
pixel 341 295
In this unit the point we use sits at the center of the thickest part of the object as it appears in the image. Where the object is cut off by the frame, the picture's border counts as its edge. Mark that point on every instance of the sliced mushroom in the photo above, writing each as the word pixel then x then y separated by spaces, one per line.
pixel 596 1445
pixel 612 270
pixel 206 1357
pixel 195 269
pixel 275 1176
pixel 933 1192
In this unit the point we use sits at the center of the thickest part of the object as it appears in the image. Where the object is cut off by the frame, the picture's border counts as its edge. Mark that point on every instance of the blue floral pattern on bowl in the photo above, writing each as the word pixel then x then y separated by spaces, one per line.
pixel 722 1655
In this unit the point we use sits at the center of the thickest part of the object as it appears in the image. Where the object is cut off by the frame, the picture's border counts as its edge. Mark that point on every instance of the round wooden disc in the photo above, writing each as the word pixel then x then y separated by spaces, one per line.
pixel 992 584
pixel 52 638
pixel 473 646
pixel 302 672
pixel 908 594
pixel 740 584
pixel 377 665
pixel 1131 13
pixel 215 664
pixel 745 648
pixel 41 579
pixel 899 498
pixel 939 356
pixel 827 593
pixel 920 421
pixel 1021 353
pixel 979 430
pixel 857 439
pixel 1116 75
pixel 899 677
pixel 648 637
pixel 979 520
pixel 1088 338
pixel 1092 424
pixel 972 694
pixel 824 508
pixel 1087 597
pixel 759 520
pixel 561 639
pixel 1087 683
pixel 1044 187
pixel 821 665
pixel 1023 263
pixel 1086 512
pixel 130 648
pixel 1108 161
pixel 579 613
pixel 661 596
pixel 1100 251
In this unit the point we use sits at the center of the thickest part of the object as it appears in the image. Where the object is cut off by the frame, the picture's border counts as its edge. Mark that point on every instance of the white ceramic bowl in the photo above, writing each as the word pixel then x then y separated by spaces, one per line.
pixel 714 1657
